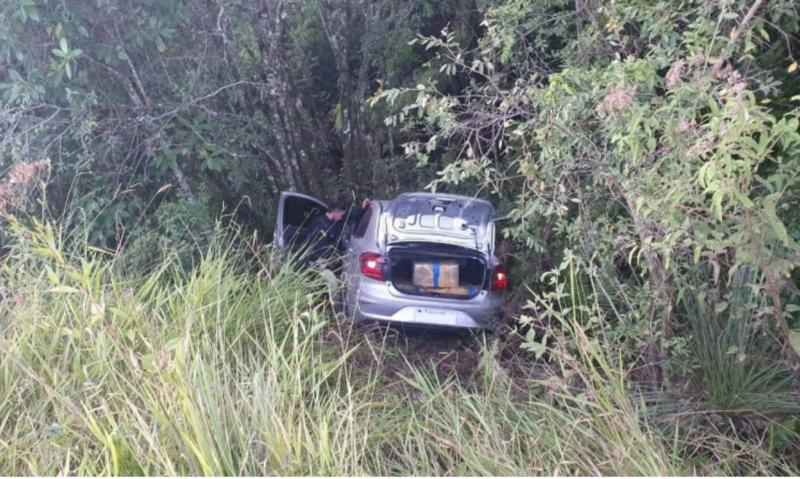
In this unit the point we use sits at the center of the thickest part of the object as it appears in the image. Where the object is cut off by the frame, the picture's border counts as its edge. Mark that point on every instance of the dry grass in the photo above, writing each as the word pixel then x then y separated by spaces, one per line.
pixel 15 188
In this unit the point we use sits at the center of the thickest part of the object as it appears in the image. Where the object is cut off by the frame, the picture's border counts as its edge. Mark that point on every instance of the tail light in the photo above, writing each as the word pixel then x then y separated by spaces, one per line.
pixel 372 265
pixel 499 278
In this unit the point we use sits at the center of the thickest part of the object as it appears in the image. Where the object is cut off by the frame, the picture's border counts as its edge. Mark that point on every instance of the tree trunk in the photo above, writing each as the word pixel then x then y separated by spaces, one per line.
pixel 182 183
pixel 293 146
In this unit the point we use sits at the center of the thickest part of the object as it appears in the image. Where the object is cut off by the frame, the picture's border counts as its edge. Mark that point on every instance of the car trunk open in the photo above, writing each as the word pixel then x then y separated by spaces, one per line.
pixel 472 269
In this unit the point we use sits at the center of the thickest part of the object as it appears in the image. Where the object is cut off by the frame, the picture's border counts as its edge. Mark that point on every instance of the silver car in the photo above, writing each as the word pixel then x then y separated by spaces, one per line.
pixel 398 252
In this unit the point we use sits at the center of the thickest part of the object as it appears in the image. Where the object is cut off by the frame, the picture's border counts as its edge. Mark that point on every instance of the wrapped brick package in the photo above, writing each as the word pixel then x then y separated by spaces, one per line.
pixel 455 291
pixel 435 274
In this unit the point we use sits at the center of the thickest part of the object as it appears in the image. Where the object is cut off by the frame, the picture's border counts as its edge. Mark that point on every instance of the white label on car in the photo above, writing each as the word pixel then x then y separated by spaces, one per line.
pixel 435 316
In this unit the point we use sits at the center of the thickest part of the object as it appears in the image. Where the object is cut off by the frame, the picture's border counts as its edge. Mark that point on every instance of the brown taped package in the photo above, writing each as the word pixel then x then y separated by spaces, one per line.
pixel 423 274
pixel 455 291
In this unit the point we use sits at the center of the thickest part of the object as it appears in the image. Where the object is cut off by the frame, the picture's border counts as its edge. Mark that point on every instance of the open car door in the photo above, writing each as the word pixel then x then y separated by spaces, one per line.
pixel 295 212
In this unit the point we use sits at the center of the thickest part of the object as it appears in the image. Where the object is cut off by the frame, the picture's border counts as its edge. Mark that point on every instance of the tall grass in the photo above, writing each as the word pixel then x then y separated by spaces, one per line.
pixel 224 368
pixel 736 372
pixel 209 371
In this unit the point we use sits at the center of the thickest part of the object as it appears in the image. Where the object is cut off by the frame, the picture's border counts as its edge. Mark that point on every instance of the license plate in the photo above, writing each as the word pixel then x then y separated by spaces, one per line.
pixel 435 316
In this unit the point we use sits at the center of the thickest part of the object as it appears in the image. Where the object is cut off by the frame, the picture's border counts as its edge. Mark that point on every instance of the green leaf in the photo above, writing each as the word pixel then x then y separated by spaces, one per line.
pixel 63 45
pixel 746 202
pixel 716 204
pixel 173 343
pixel 33 13
pixel 52 276
pixel 775 222
pixel 537 348
pixel 794 340
pixel 214 164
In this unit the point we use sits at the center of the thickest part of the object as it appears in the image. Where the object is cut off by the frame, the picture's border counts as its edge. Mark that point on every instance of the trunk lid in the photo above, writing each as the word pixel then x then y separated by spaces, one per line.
pixel 440 218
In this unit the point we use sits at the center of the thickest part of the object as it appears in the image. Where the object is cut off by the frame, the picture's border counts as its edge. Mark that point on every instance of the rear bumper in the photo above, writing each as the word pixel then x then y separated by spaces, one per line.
pixel 380 301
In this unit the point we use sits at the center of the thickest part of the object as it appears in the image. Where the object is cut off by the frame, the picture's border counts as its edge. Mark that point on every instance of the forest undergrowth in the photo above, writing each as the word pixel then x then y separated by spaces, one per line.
pixel 233 363
pixel 643 158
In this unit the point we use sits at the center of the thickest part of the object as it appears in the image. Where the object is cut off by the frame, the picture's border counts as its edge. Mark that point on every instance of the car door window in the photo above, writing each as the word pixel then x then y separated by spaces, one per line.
pixel 361 228
pixel 299 211
pixel 295 212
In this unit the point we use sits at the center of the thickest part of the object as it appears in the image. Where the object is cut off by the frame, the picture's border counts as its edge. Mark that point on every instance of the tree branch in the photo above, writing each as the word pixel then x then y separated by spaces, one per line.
pixel 747 17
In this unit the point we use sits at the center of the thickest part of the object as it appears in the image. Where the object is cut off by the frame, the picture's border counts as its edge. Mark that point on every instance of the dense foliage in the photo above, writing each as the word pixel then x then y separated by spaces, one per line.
pixel 180 111
pixel 645 156
pixel 657 142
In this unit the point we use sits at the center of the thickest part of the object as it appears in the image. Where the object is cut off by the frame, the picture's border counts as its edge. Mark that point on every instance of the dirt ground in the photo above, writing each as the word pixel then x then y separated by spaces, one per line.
pixel 453 355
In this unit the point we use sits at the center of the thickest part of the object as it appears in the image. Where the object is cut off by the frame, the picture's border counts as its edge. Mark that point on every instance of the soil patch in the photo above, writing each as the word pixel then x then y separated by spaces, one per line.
pixel 394 353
